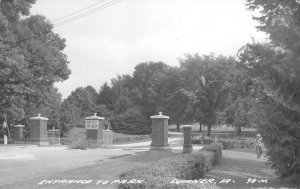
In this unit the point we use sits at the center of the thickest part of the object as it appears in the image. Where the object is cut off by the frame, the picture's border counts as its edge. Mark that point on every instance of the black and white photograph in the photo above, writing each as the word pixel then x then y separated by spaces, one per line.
pixel 149 94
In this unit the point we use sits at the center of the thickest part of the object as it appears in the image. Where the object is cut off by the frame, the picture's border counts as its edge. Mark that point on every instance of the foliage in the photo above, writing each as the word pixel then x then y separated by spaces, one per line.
pixel 227 144
pixel 31 61
pixel 179 106
pixel 275 68
pixel 241 101
pixel 216 148
pixel 202 141
pixel 105 96
pixel 69 116
pixel 132 121
pixel 80 103
pixel 207 77
pixel 82 144
pixel 161 173
pixel 235 143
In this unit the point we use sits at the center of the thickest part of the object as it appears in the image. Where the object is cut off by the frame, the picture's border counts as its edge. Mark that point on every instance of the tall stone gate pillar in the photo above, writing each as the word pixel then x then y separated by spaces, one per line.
pixel 94 126
pixel 159 131
pixel 38 130
pixel 19 132
pixel 187 139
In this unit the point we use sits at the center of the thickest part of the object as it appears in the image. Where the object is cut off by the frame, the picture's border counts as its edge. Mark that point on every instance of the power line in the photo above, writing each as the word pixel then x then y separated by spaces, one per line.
pixel 97 62
pixel 88 13
pixel 85 13
pixel 79 10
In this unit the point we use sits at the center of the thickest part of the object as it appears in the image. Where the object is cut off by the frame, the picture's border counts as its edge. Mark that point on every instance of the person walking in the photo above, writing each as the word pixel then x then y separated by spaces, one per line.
pixel 258 145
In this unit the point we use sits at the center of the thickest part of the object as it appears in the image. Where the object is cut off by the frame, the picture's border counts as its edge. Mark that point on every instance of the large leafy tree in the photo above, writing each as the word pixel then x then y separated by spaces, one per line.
pixel 241 101
pixel 142 95
pixel 31 60
pixel 146 81
pixel 180 107
pixel 105 96
pixel 79 104
pixel 207 76
pixel 276 67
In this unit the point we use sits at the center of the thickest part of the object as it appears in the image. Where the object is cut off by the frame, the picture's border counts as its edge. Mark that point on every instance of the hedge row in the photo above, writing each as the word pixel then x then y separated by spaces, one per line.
pixel 228 144
pixel 216 148
pixel 184 167
pixel 202 141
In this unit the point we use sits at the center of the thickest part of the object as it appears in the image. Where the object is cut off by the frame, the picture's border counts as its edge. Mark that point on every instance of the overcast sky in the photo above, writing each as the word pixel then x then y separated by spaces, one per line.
pixel 113 40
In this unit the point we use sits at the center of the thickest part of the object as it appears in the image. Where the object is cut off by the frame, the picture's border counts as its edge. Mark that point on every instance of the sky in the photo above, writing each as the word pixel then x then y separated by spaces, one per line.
pixel 112 40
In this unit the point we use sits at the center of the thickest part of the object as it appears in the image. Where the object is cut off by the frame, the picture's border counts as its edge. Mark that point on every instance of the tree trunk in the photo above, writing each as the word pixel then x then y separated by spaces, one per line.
pixel 209 130
pixel 200 130
pixel 178 127
pixel 239 130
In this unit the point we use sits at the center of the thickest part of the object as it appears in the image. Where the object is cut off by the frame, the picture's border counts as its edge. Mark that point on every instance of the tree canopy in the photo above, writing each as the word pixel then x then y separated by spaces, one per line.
pixel 31 60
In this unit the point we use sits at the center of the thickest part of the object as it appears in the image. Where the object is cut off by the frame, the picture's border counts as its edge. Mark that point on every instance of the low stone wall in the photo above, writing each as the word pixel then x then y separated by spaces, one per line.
pixel 131 139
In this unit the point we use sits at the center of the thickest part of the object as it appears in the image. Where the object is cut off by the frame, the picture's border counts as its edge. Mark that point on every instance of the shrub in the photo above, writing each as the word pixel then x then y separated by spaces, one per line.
pixel 250 144
pixel 216 148
pixel 161 173
pixel 82 144
pixel 202 141
pixel 227 144
pixel 132 121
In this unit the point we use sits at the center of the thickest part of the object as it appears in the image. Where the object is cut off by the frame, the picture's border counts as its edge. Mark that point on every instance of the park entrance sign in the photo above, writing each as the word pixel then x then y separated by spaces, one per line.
pixel 94 126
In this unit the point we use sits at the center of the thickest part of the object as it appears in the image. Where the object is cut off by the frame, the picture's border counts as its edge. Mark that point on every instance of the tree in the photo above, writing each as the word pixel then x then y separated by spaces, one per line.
pixel 31 59
pixel 180 106
pixel 276 68
pixel 105 96
pixel 241 101
pixel 207 76
pixel 70 116
pixel 79 104
pixel 84 98
pixel 146 79
pixel 132 121
pixel 142 95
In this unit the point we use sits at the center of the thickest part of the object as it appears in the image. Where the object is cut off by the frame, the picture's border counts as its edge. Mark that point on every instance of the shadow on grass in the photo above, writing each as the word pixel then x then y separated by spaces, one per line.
pixel 246 171
pixel 150 156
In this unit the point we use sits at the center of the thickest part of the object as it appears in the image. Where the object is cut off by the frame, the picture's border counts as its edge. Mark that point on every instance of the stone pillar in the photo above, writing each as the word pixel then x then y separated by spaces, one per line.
pixel 38 130
pixel 19 132
pixel 187 142
pixel 94 126
pixel 108 137
pixel 159 131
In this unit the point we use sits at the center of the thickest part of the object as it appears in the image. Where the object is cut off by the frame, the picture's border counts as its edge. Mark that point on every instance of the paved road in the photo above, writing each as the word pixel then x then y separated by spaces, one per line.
pixel 18 163
pixel 21 163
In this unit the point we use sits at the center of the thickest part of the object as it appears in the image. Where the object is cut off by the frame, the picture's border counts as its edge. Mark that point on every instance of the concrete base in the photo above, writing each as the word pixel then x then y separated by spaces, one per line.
pixel 187 150
pixel 156 144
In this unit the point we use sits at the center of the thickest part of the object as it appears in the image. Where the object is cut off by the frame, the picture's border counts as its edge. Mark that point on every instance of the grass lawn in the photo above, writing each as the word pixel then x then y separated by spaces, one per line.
pixel 222 129
pixel 108 170
pixel 238 166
